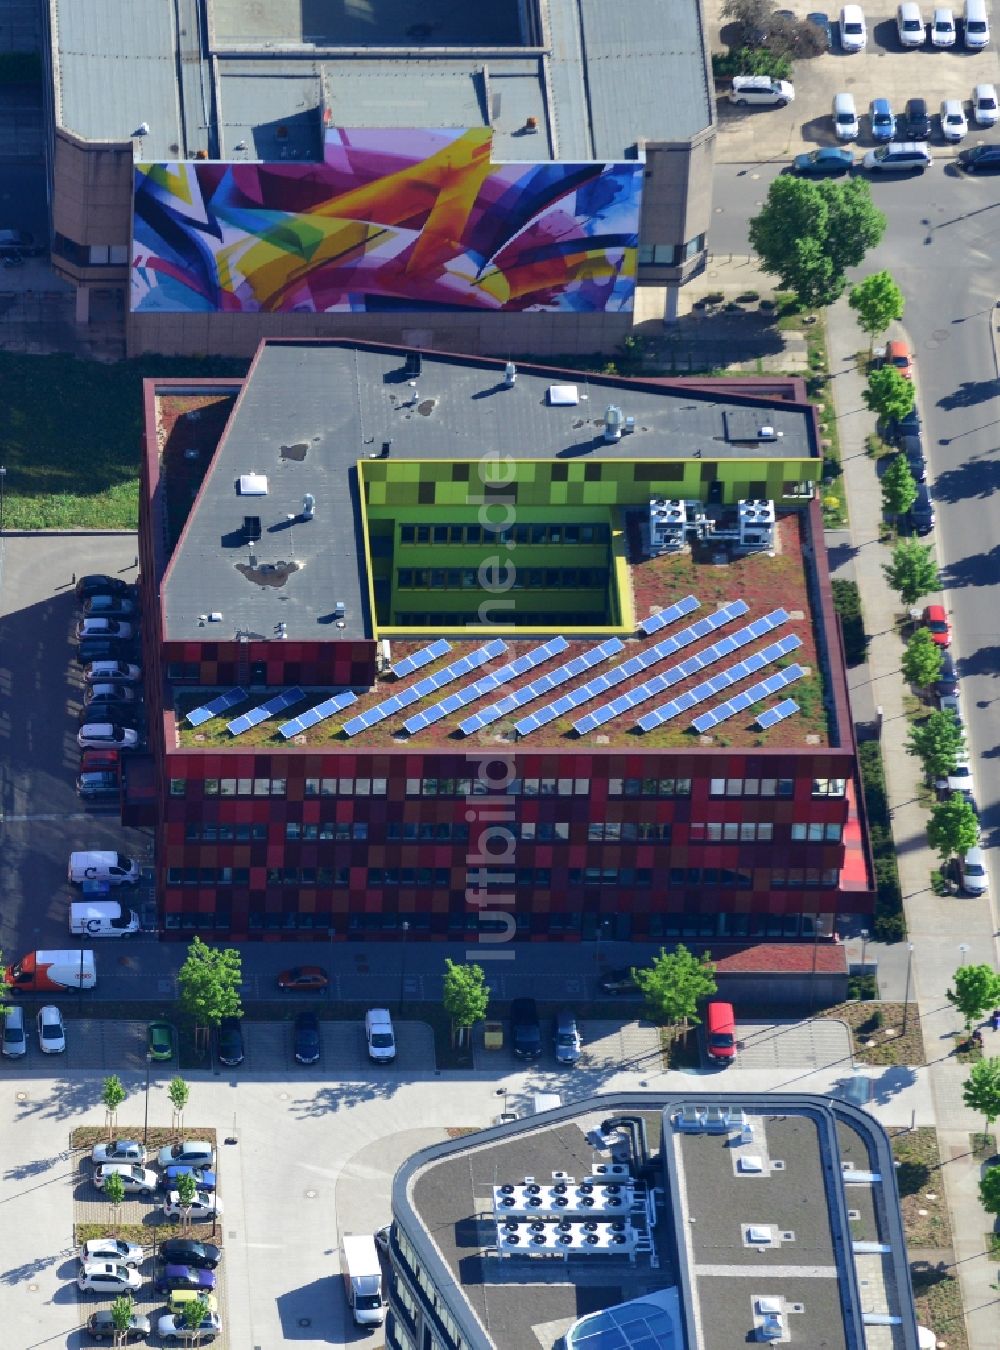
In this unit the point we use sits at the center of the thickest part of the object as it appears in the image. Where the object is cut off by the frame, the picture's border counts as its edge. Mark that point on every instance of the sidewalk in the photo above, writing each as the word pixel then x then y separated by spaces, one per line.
pixel 936 926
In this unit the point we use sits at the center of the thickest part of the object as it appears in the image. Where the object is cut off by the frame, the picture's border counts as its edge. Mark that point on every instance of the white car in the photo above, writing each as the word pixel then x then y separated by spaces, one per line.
pixel 108 1277
pixel 111 670
pixel 943 28
pixel 112 1249
pixel 51 1031
pixel 191 1153
pixel 380 1036
pixel 984 105
pixel 972 873
pixel 15 1042
pixel 853 29
pixel 910 24
pixel 960 778
pixel 106 736
pixel 953 121
pixel 137 1180
pixel 97 627
pixel 172 1327
pixel 205 1205
pixel 761 91
pixel 845 117
pixel 119 1150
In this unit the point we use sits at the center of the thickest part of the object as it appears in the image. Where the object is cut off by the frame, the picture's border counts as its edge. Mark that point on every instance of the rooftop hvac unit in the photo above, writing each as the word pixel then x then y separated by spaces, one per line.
pixel 614 420
pixel 253 484
pixel 510 374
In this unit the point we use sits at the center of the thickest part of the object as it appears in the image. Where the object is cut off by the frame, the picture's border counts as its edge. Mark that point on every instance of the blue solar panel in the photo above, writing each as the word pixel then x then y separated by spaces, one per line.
pixel 263 711
pixel 562 705
pixel 771 716
pixel 312 716
pixel 421 658
pixel 704 723
pixel 222 703
pixel 669 615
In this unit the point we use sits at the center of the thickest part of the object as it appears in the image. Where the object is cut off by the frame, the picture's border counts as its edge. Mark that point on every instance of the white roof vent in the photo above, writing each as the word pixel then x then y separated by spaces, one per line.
pixel 768 434
pixel 563 395
pixel 253 484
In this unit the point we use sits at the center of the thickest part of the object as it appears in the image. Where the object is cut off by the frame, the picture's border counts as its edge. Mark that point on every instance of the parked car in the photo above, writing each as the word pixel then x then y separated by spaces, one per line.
pixel 119 1150
pixel 137 1180
pixel 882 119
pixel 947 681
pixel 172 1277
pixel 959 780
pixel 187 1252
pixel 112 1249
pixel 912 448
pixel 915 123
pixel 98 583
pixel 910 25
pixel 173 1329
pixel 108 1277
pixel 230 1042
pixel 206 1205
pixel 921 513
pixel 984 105
pixel 101 1327
pixel 972 875
pixel 898 354
pixel 197 1152
pixel 112 710
pixel 379 1036
pixel 935 618
pixel 568 1046
pixel 954 124
pixel 306 1045
pixel 910 425
pixel 827 162
pixel 51 1031
pixel 93 761
pixel 109 691
pixel 179 1299
pixel 899 157
pixel 304 979
pixel 103 628
pixel 109 607
pixel 951 703
pixel 100 671
pixel 18 244
pixel 525 1029
pixel 160 1040
pixel 98 785
pixel 619 981
pixel 943 28
pixel 100 735
pixel 977 25
pixel 822 21
pixel 980 159
pixel 853 29
pixel 845 117
pixel 204 1180
pixel 15 1041
pixel 761 91
pixel 92 649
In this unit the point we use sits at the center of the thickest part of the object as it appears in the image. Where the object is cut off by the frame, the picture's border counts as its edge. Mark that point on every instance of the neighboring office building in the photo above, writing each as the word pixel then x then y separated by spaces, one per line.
pixel 493 177
pixel 700 1221
pixel 394 488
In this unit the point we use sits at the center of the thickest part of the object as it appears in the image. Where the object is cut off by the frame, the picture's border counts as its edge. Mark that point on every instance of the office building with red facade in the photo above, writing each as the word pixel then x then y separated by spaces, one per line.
pixel 427 651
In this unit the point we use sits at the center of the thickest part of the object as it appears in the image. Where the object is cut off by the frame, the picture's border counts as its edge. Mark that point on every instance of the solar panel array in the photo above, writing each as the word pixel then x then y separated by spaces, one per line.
pixel 675 643
pixel 417 660
pixel 490 681
pixel 772 716
pixel 218 705
pixel 551 680
pixel 263 711
pixel 319 713
pixel 428 685
pixel 746 697
pixel 667 616
pixel 716 683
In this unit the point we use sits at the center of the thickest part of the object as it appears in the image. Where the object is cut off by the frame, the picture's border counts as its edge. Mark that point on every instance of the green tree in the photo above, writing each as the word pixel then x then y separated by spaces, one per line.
pixel 921 663
pixel 187 1189
pixel 675 983
pixel 981 1090
pixel 899 487
pixel 112 1095
pixel 808 234
pixel 178 1092
pixel 989 1191
pixel 889 394
pixel 953 828
pixel 114 1193
pixel 122 1311
pixel 912 571
pixel 192 1317
pixel 937 742
pixel 209 983
pixel 877 301
pixel 976 989
pixel 466 997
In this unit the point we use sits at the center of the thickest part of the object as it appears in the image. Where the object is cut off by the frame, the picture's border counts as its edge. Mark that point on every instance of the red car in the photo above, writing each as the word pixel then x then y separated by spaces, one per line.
pixel 92 761
pixel 304 978
pixel 899 355
pixel 937 621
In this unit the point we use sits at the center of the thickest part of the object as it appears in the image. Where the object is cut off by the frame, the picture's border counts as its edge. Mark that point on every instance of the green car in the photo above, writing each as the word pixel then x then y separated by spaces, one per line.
pixel 160 1040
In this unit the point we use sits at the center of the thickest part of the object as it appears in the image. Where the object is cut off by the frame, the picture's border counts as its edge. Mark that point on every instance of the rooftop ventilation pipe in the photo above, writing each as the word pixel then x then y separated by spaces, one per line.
pixel 308 506
pixel 509 375
pixel 613 423
pixel 635 1128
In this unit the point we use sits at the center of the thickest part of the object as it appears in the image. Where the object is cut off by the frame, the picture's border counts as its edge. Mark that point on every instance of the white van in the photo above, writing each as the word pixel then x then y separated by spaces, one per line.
pixel 95 865
pixel 102 918
pixel 910 24
pixel 977 25
pixel 761 91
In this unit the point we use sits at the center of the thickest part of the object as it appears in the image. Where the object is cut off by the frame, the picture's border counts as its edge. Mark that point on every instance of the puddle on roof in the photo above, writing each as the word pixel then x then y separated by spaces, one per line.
pixel 297 451
pixel 268 574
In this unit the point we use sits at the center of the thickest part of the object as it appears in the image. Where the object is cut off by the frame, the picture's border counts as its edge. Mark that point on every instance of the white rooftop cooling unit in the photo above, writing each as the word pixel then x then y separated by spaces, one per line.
pixel 563 395
pixel 253 485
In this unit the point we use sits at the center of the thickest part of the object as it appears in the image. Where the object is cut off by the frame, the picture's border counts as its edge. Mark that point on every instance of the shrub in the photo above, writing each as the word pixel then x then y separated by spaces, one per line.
pixel 847 603
pixel 751 61
pixel 889 927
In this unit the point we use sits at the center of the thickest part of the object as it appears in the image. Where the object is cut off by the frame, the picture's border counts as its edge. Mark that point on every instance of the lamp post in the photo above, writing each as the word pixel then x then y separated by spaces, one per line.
pixel 906 995
pixel 864 949
pixel 145 1119
pixel 3 480
pixel 963 951
pixel 402 966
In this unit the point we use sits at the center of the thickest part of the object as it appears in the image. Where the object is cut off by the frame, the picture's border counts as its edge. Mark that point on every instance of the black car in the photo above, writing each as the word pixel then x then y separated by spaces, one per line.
pixel 186 1252
pixel 525 1029
pixel 980 159
pixel 104 649
pixel 947 681
pixel 110 710
pixel 921 513
pixel 619 981
pixel 910 425
pixel 106 606
pixel 307 1043
pixel 98 785
pixel 99 584
pixel 18 244
pixel 230 1047
pixel 913 448
pixel 915 124
pixel 101 1327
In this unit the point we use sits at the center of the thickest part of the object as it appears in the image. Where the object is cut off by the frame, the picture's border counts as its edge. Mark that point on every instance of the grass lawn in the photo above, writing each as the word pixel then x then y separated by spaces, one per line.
pixel 71 435
pixel 938 1297
pixel 926 1222
pixel 877 1031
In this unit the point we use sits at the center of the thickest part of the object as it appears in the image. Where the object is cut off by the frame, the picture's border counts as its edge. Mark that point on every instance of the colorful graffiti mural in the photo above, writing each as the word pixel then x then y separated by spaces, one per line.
pixel 390 220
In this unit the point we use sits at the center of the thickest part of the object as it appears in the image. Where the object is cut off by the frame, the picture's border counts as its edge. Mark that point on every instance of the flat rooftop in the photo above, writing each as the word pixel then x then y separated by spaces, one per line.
pixel 597 78
pixel 812 1176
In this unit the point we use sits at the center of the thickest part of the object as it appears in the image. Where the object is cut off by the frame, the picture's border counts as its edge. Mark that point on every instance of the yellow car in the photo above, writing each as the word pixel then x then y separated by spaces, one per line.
pixel 180 1298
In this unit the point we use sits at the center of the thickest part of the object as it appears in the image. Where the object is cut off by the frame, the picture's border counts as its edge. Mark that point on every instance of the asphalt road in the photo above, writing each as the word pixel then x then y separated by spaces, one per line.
pixel 943 248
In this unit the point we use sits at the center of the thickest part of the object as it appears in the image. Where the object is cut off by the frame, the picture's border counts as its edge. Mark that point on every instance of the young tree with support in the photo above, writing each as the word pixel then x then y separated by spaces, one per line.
pixel 466 998
pixel 187 1189
pixel 912 570
pixel 921 663
pixel 981 1090
pixel 114 1192
pixel 889 395
pixel 112 1095
pixel 209 984
pixel 675 983
pixel 938 742
pixel 178 1092
pixel 953 828
pixel 976 989
pixel 899 488
pixel 122 1311
pixel 877 301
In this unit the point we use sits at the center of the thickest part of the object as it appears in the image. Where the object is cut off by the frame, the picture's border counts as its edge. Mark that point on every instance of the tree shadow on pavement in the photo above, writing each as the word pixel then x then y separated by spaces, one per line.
pixel 34 1168
pixel 977 477
pixel 339 1097
pixel 983 661
pixel 969 393
pixel 893 1081
pixel 978 569
pixel 67 1097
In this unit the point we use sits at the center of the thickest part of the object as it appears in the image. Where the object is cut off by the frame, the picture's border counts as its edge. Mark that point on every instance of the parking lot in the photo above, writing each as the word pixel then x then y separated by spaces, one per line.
pixel 883 70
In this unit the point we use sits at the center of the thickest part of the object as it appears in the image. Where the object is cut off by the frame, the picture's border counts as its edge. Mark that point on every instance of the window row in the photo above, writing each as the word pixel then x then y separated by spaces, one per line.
pixel 210 832
pixel 762 832
pixel 498 611
pixel 751 787
pixel 234 787
pixel 521 578
pixel 512 534
pixel 459 787
pixel 817 831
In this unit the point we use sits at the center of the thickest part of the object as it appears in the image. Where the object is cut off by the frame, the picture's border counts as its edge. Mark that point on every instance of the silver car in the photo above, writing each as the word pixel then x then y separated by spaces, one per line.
pixel 845 117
